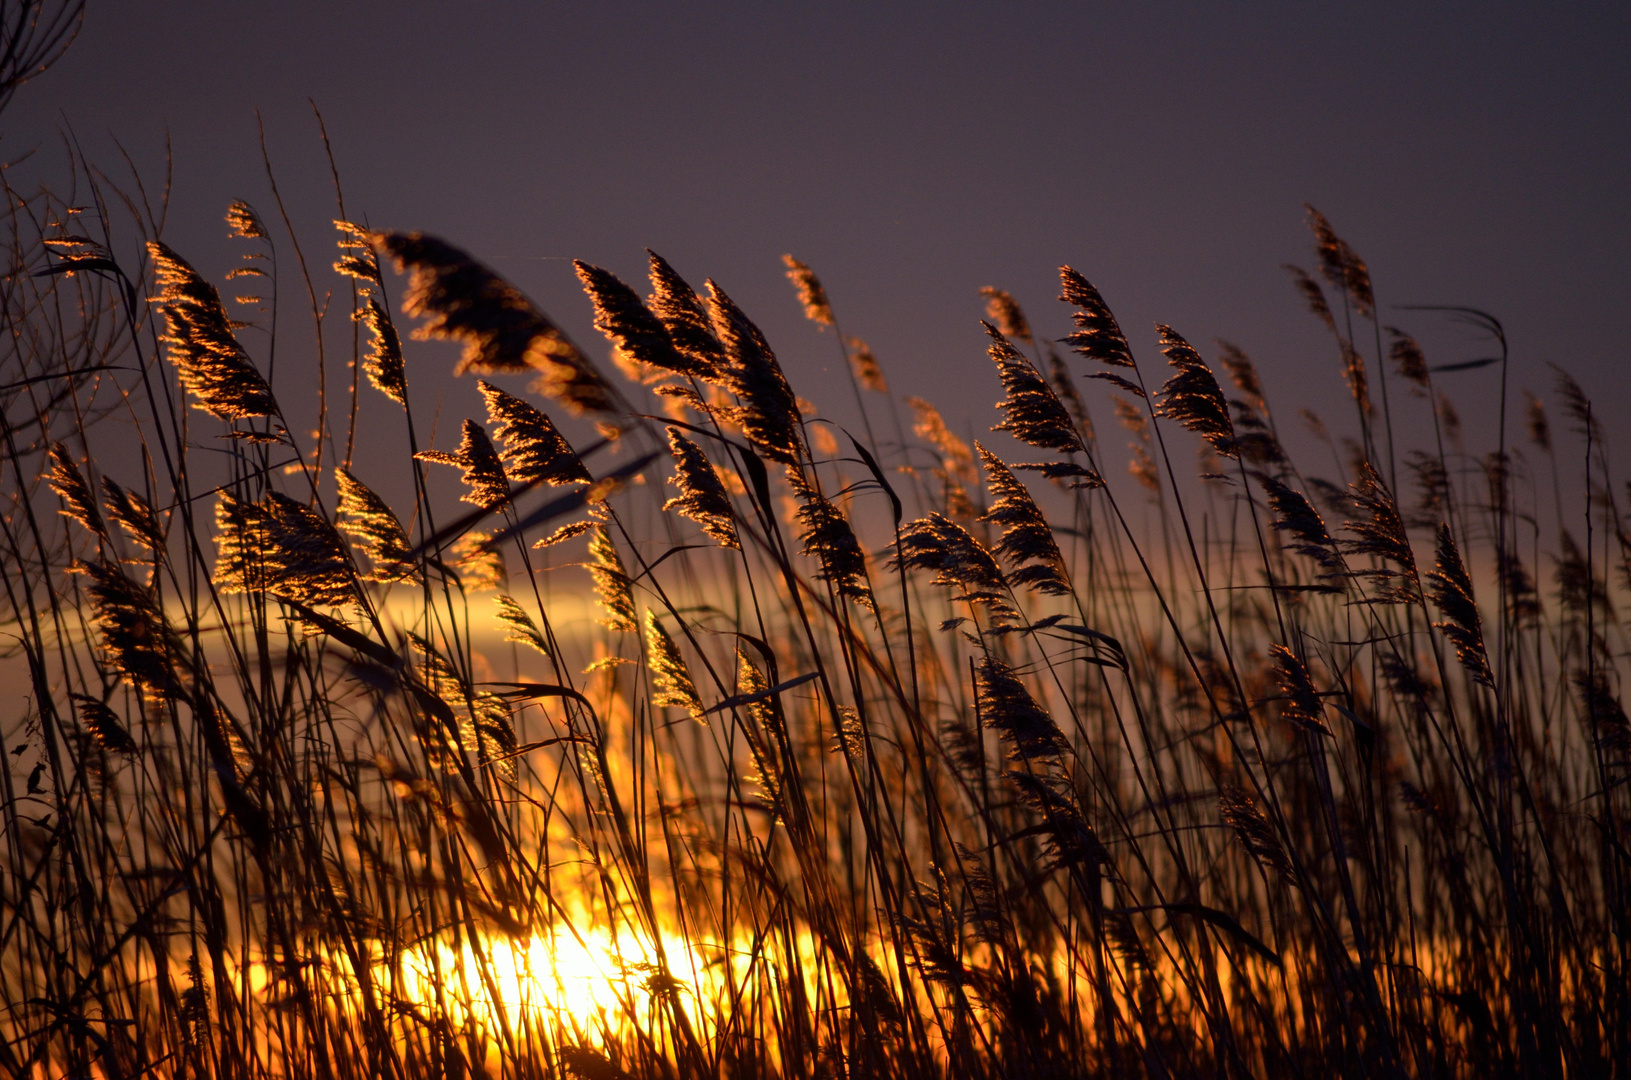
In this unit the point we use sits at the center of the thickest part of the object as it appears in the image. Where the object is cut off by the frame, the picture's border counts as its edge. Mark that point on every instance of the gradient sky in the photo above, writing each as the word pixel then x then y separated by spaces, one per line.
pixel 1472 153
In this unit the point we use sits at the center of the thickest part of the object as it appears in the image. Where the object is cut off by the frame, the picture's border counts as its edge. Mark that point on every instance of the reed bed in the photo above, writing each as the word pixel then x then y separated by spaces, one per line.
pixel 719 740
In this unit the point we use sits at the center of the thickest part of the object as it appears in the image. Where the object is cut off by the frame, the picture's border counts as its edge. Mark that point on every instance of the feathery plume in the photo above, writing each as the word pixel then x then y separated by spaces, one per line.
pixel 383 365
pixel 1098 335
pixel 131 512
pixel 483 472
pixel 825 532
pixel 1382 535
pixel 103 725
pixel 370 519
pixel 501 330
pixel 1449 419
pixel 702 496
pixel 1242 372
pixel 1353 373
pixel 1031 410
pixel 1612 730
pixel 670 677
pixel 1341 264
pixel 1065 387
pixel 1540 430
pixel 563 534
pixel 1009 709
pixel 282 547
pixel 478 563
pixel 1578 406
pixel 1294 514
pixel 495 733
pixel 1240 812
pixel 78 503
pixel 811 294
pixel 1313 296
pixel 769 413
pixel 628 324
pixel 1301 703
pixel 1026 536
pixel 358 259
pixel 211 364
pixel 1070 840
pixel 1408 358
pixel 960 563
pixel 1450 588
pixel 686 319
pixel 955 456
pixel 518 625
pixel 243 223
pixel 533 448
pixel 1141 467
pixel 134 631
pixel 865 366
pixel 1192 396
pixel 612 585
pixel 1131 417
pixel 1002 310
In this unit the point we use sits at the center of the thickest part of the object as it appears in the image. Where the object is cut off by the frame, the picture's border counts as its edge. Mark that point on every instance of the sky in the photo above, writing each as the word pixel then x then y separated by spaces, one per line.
pixel 1474 154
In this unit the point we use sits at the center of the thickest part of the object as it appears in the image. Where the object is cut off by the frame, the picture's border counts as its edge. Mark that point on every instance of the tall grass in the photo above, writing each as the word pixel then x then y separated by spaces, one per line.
pixel 722 741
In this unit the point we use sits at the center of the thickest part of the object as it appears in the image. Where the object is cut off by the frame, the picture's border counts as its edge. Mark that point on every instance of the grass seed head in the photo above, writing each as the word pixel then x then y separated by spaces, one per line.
pixel 210 363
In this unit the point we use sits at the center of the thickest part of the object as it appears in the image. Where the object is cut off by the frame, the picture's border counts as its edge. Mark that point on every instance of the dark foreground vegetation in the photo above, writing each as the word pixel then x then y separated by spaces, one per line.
pixel 724 741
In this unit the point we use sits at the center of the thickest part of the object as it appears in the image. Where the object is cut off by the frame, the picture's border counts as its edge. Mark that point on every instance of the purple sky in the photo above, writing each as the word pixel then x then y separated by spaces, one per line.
pixel 1472 153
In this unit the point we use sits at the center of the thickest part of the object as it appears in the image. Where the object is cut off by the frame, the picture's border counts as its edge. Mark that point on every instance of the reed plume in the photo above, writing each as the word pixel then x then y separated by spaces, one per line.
pixel 1192 396
pixel 1241 813
pixel 1299 702
pixel 686 318
pixel 1027 544
pixel 1408 359
pixel 825 532
pixel 78 504
pixel 383 363
pixel 811 295
pixel 132 514
pixel 669 675
pixel 534 451
pixel 960 563
pixel 1007 708
pixel 768 411
pixel 1313 296
pixel 1450 589
pixel 1098 336
pixel 1382 535
pixel 518 625
pixel 1242 372
pixel 501 330
pixel 865 366
pixel 628 324
pixel 1004 312
pixel 103 724
pixel 613 588
pixel 282 547
pixel 1031 410
pixel 244 223
pixel 369 518
pixel 137 638
pixel 210 363
pixel 1341 264
pixel 702 496
pixel 1294 514
pixel 484 477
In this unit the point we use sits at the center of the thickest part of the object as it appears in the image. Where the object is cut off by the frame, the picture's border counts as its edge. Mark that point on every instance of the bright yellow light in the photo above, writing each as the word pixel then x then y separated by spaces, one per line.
pixel 582 979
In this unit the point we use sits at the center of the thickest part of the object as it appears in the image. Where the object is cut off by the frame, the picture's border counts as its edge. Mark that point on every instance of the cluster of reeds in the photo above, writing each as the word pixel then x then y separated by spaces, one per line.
pixel 818 753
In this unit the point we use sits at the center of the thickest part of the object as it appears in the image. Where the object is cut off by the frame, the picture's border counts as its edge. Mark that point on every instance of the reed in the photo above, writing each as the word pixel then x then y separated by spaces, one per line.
pixel 704 746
